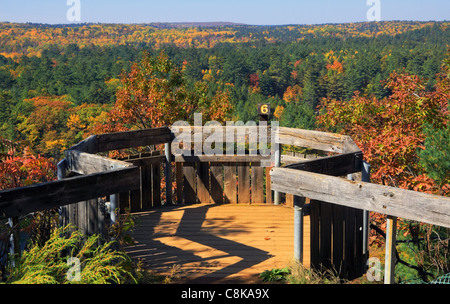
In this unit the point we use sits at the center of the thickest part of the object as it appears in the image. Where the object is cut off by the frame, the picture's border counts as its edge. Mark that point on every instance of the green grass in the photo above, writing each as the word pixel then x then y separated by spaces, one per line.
pixel 296 273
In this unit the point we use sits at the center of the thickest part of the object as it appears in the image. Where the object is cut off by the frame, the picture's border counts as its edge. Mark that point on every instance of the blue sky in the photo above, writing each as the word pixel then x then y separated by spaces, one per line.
pixel 242 11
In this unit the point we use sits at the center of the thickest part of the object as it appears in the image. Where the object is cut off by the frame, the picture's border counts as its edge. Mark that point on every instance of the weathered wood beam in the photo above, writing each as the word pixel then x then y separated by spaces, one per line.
pixel 418 206
pixel 122 140
pixel 288 136
pixel 85 163
pixel 313 139
pixel 88 145
pixel 303 138
pixel 349 145
pixel 224 133
pixel 131 139
pixel 290 160
pixel 222 158
pixel 337 165
pixel 24 200
pixel 145 161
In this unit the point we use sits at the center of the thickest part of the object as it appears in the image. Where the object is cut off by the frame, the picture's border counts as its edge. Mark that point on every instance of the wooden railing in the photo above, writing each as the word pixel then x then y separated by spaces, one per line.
pixel 321 181
pixel 338 207
pixel 97 176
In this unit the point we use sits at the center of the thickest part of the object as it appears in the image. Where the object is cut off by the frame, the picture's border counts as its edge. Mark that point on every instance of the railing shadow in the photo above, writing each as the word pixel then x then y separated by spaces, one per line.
pixel 193 219
pixel 158 255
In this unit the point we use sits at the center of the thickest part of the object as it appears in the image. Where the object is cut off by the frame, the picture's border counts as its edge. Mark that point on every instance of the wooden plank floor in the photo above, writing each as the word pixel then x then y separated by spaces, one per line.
pixel 216 243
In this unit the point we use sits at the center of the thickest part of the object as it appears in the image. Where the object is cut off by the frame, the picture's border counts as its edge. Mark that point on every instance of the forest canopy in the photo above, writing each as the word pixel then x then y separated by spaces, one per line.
pixel 73 74
pixel 386 84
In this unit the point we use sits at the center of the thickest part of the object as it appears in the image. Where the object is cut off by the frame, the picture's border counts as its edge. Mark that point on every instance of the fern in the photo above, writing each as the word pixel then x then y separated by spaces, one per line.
pixel 47 264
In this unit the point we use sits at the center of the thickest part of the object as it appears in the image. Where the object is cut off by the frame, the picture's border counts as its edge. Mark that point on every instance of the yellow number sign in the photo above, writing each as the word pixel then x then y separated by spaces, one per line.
pixel 264 109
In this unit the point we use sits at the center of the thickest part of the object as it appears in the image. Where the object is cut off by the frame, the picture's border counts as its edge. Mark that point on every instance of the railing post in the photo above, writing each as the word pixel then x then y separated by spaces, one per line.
pixel 114 202
pixel 365 178
pixel 389 264
pixel 298 228
pixel 168 173
pixel 14 239
pixel 276 194
pixel 61 174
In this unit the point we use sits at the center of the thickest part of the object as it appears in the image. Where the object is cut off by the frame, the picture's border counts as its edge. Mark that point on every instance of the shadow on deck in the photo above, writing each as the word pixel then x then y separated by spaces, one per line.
pixel 214 243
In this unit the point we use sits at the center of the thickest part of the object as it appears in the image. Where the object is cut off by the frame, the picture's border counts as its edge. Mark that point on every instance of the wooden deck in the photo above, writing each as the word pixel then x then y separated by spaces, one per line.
pixel 216 243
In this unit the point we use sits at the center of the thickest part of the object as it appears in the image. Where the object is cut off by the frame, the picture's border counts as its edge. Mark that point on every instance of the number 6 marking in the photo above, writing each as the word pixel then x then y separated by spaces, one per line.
pixel 264 109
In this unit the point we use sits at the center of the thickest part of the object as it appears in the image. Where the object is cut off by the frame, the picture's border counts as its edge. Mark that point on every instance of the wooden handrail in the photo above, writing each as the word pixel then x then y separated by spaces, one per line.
pixel 311 178
pixel 101 176
pixel 123 140
pixel 25 200
pixel 408 204
pixel 81 160
pixel 337 165
pixel 85 163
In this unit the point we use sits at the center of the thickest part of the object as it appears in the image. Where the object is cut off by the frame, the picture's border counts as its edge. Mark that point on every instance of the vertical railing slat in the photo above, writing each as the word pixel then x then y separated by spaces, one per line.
pixel 243 183
pixel 216 183
pixel 230 183
pixel 179 182
pixel 203 182
pixel 190 186
pixel 257 182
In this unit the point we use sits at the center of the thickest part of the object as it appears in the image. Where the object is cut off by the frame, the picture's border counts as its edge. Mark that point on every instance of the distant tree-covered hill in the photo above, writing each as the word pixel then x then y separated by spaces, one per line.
pixel 32 39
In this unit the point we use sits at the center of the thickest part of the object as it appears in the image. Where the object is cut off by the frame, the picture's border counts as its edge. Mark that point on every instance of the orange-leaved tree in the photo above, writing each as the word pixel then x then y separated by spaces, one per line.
pixel 43 126
pixel 19 167
pixel 51 124
pixel 154 94
pixel 392 132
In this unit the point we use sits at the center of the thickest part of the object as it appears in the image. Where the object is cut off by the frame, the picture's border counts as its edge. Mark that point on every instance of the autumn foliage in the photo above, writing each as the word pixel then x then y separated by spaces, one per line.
pixel 390 131
pixel 154 94
pixel 19 39
pixel 21 168
pixel 51 124
pixel 60 84
pixel 404 137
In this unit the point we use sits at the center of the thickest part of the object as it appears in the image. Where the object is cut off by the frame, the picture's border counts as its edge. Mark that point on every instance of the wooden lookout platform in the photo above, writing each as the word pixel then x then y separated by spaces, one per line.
pixel 227 217
pixel 216 243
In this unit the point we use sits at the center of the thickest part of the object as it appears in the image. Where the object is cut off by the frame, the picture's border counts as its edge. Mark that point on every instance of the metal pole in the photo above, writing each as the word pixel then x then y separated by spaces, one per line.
pixel 276 194
pixel 168 173
pixel 298 229
pixel 113 205
pixel 365 178
pixel 12 243
pixel 61 174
